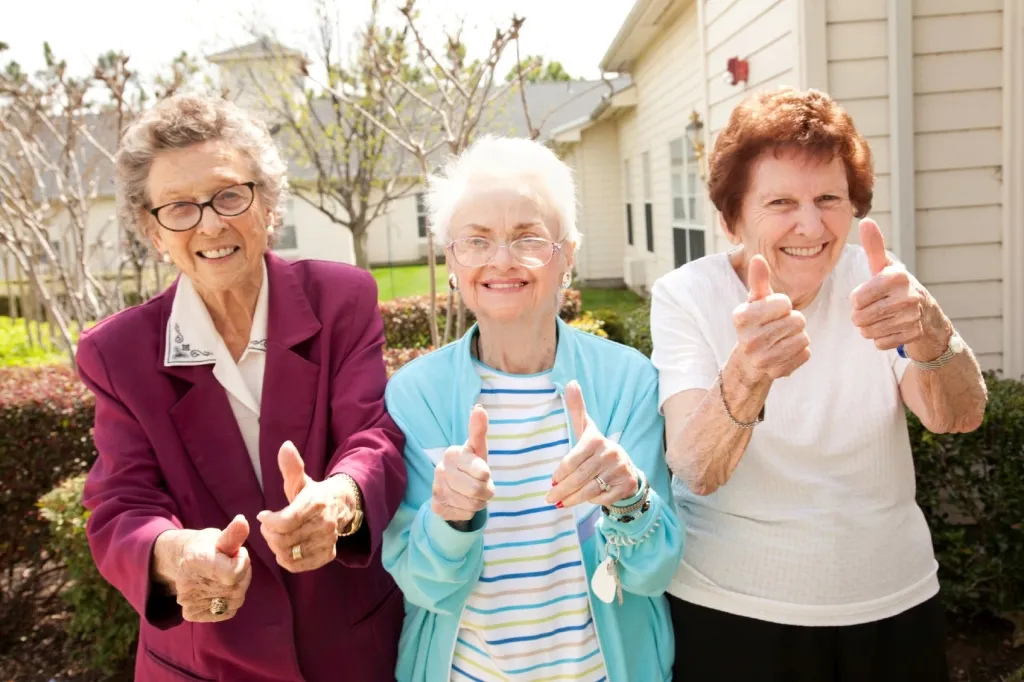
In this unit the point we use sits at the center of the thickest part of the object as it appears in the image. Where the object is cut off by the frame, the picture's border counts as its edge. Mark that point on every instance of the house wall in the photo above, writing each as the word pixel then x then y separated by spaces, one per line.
pixel 601 218
pixel 316 236
pixel 958 76
pixel 764 32
pixel 669 86
pixel 394 235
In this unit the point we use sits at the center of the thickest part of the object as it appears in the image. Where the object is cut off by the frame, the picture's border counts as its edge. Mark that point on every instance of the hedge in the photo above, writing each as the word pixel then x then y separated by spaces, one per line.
pixel 407 320
pixel 970 487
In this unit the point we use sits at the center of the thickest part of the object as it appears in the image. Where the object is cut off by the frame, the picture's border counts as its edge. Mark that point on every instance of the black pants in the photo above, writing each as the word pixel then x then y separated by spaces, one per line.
pixel 714 646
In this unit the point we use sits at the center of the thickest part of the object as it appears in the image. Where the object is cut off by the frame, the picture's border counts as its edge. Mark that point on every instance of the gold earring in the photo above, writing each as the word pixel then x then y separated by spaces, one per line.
pixel 453 282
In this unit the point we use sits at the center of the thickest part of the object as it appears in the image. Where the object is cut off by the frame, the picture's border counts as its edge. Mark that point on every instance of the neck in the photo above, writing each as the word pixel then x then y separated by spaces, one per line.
pixel 740 263
pixel 517 348
pixel 233 311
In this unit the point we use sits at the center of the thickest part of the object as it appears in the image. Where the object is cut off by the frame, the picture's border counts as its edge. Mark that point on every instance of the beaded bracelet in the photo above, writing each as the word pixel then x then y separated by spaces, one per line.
pixel 728 412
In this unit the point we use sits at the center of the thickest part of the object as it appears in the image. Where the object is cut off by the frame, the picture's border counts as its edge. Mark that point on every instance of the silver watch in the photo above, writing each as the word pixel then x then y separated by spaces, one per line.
pixel 955 347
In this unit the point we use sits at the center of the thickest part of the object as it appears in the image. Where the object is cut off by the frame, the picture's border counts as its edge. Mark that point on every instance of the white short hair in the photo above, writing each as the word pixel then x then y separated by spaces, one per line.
pixel 504 158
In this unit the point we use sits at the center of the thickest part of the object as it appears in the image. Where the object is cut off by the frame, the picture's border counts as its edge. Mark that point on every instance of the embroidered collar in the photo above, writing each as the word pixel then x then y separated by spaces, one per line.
pixel 192 339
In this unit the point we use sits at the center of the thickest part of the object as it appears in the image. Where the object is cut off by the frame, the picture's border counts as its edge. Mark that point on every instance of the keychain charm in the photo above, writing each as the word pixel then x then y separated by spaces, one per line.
pixel 605 582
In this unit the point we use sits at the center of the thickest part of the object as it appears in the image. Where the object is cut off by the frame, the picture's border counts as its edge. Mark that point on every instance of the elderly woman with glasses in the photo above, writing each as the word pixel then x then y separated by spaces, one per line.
pixel 250 392
pixel 537 533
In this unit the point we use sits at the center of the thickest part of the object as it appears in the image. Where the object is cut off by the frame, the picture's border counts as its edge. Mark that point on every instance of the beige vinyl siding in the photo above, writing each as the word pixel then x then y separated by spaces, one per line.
pixel 858 77
pixel 763 33
pixel 958 155
pixel 602 218
pixel 668 81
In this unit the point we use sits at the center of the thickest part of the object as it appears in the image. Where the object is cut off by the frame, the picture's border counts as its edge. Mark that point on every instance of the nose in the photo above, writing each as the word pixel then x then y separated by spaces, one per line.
pixel 210 224
pixel 809 222
pixel 503 258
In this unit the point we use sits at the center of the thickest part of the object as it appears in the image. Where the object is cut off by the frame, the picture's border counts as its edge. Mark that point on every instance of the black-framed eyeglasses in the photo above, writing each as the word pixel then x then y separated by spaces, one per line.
pixel 182 216
pixel 530 252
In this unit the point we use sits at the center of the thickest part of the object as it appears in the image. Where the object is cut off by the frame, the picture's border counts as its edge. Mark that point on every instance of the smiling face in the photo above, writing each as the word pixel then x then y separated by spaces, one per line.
pixel 220 253
pixel 505 290
pixel 797 214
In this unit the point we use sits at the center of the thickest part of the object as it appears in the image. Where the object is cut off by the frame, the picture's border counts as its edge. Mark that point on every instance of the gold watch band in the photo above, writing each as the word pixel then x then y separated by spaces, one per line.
pixel 356 521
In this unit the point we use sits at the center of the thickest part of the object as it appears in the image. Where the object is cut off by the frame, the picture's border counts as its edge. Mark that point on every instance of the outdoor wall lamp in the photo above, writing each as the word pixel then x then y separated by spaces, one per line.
pixel 694 131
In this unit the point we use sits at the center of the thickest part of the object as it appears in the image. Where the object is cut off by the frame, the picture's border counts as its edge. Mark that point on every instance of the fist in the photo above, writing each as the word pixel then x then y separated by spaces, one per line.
pixel 770 336
pixel 213 564
pixel 462 480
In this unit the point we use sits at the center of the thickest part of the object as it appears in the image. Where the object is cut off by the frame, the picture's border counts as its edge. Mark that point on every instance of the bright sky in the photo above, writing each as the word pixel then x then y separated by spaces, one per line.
pixel 574 32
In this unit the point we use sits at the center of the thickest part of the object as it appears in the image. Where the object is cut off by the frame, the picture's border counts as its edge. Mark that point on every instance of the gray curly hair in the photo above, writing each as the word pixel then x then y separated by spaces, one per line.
pixel 182 121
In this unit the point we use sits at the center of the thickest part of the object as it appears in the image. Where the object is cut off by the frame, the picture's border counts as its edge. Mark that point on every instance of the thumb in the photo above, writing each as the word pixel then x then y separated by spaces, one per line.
pixel 292 470
pixel 758 276
pixel 577 408
pixel 233 537
pixel 478 432
pixel 873 242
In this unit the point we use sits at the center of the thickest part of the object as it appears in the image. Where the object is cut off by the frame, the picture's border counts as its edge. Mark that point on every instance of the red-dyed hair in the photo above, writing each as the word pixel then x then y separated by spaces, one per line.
pixel 784 119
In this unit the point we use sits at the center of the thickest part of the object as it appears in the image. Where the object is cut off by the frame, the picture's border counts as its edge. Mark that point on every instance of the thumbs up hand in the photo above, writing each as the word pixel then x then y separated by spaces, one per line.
pixel 596 470
pixel 771 341
pixel 304 535
pixel 892 308
pixel 211 565
pixel 462 480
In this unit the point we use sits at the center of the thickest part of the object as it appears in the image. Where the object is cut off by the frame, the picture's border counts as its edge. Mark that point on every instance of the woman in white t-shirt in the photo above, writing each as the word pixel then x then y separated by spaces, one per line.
pixel 785 366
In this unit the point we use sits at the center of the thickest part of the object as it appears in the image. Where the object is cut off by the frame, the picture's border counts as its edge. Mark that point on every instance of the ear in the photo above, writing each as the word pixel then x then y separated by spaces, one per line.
pixel 732 235
pixel 157 242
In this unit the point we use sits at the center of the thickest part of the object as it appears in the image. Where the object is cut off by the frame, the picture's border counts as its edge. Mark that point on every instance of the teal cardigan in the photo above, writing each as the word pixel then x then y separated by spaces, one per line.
pixel 437 567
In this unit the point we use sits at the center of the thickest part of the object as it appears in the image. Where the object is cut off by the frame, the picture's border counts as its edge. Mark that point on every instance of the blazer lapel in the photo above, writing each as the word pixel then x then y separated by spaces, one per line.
pixel 290 382
pixel 210 436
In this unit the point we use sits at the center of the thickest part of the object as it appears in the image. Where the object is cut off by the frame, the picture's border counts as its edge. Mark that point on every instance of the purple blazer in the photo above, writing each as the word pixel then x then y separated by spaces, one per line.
pixel 171 456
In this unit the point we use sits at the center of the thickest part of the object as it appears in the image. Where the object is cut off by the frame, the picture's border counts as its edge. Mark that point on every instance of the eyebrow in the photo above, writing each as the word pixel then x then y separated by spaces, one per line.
pixel 520 227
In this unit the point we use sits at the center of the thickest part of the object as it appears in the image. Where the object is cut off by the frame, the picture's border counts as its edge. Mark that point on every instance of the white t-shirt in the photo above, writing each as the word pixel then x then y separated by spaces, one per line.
pixel 818 524
pixel 192 339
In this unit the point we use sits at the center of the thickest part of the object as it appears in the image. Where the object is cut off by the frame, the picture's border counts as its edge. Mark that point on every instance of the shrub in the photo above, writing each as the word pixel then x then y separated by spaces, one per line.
pixel 613 325
pixel 638 329
pixel 394 358
pixel 46 417
pixel 971 489
pixel 103 626
pixel 587 322
pixel 407 320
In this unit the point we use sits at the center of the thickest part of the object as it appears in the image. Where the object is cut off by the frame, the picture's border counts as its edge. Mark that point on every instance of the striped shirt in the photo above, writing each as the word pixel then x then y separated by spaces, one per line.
pixel 529 618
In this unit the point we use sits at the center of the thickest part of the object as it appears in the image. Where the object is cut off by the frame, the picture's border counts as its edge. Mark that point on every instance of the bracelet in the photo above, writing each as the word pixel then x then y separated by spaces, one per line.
pixel 357 514
pixel 728 412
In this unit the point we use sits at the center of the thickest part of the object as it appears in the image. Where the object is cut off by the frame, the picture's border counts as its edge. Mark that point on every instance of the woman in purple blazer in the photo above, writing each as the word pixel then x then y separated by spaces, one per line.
pixel 247 467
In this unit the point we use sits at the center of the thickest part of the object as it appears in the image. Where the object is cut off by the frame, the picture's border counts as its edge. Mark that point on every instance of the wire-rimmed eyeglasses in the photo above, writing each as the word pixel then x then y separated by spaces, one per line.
pixel 182 216
pixel 530 252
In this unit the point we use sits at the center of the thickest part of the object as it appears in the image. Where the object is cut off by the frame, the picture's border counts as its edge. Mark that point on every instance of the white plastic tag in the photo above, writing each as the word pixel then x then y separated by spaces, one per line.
pixel 603 582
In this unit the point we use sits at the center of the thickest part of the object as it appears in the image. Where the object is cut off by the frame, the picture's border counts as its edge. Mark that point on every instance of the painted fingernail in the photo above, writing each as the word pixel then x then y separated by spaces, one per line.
pixel 559 505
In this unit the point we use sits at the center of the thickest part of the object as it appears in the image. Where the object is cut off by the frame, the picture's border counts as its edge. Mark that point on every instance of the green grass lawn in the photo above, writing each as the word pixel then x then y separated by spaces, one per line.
pixel 413 280
pixel 405 280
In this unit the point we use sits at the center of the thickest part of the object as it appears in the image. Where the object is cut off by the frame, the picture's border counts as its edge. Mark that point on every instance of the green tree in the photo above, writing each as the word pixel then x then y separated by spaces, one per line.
pixel 537 69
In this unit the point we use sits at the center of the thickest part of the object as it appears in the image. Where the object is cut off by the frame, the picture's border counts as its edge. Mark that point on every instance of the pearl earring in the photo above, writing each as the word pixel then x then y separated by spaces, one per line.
pixel 566 280
pixel 453 282
pixel 270 230
pixel 165 257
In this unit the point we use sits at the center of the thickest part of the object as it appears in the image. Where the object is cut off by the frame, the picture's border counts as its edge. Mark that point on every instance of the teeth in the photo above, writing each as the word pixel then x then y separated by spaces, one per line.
pixel 219 253
pixel 813 251
pixel 506 286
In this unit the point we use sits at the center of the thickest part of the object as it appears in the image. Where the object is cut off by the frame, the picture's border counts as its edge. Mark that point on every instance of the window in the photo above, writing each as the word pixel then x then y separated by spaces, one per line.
pixel 421 216
pixel 687 203
pixel 628 180
pixel 286 238
pixel 648 206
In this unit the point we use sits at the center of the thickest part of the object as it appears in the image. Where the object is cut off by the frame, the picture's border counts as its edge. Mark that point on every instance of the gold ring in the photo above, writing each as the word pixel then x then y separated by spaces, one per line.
pixel 218 606
pixel 297 553
pixel 604 486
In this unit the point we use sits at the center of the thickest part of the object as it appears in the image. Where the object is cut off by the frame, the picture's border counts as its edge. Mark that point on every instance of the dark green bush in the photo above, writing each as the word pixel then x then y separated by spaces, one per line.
pixel 638 328
pixel 407 320
pixel 46 417
pixel 971 489
pixel 103 626
pixel 614 325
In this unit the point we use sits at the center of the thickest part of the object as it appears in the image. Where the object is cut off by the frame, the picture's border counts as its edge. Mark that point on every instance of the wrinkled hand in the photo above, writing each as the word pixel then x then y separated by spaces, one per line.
pixel 462 480
pixel 315 512
pixel 575 479
pixel 892 308
pixel 770 336
pixel 211 564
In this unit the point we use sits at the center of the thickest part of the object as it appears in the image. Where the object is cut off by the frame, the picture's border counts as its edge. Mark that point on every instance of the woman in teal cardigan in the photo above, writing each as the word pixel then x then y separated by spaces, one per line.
pixel 537 533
